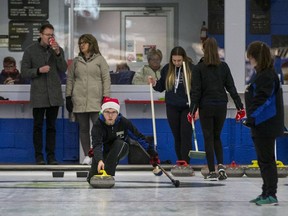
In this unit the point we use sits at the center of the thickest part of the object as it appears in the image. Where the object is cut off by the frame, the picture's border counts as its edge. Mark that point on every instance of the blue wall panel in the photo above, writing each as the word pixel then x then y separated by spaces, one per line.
pixel 16 145
pixel 279 24
pixel 18 148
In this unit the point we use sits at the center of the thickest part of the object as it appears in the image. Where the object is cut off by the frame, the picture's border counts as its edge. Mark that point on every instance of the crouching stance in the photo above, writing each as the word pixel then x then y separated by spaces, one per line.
pixel 110 135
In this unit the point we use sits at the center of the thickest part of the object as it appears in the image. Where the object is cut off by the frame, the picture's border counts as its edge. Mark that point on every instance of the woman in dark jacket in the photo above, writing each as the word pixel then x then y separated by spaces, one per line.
pixel 265 117
pixel 172 81
pixel 211 79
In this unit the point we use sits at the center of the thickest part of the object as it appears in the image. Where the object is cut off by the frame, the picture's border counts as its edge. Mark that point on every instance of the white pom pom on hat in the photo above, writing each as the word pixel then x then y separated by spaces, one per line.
pixel 112 103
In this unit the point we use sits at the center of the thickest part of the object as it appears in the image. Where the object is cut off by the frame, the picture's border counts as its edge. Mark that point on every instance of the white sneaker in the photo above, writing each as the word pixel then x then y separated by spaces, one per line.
pixel 87 161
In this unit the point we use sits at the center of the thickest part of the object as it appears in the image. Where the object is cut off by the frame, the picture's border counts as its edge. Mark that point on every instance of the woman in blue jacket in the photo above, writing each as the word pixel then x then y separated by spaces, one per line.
pixel 173 83
pixel 265 117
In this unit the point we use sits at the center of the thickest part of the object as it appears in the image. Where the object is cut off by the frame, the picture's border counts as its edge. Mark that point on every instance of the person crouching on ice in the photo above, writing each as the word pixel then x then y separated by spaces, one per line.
pixel 110 139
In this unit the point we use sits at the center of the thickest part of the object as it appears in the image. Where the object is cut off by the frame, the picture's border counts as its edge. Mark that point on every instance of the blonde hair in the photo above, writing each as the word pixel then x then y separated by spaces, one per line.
pixel 170 78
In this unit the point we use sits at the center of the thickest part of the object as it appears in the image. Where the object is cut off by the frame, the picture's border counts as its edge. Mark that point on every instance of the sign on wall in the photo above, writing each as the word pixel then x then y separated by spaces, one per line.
pixel 260 17
pixel 28 9
pixel 216 17
pixel 26 16
pixel 22 34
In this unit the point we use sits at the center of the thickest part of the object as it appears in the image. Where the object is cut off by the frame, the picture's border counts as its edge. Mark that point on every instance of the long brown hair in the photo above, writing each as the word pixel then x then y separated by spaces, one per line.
pixel 170 79
pixel 93 44
pixel 260 51
pixel 211 56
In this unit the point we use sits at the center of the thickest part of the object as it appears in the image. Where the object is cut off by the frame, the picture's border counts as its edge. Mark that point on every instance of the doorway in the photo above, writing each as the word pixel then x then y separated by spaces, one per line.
pixel 126 33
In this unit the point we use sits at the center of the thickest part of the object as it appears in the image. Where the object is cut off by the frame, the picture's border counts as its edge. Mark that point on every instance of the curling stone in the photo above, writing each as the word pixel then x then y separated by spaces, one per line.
pixel 282 170
pixel 182 169
pixel 102 181
pixel 253 169
pixel 234 170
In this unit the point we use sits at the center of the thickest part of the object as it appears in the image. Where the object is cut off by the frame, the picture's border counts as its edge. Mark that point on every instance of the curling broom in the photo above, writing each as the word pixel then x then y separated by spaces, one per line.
pixel 192 154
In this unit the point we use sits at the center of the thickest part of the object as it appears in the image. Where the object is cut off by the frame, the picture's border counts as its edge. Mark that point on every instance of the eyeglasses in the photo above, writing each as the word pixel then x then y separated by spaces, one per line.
pixel 155 60
pixel 49 35
pixel 82 42
pixel 110 113
pixel 9 66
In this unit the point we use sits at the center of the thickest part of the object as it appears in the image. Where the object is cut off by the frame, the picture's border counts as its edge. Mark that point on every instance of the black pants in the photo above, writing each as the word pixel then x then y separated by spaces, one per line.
pixel 118 151
pixel 51 116
pixel 212 119
pixel 181 130
pixel 266 161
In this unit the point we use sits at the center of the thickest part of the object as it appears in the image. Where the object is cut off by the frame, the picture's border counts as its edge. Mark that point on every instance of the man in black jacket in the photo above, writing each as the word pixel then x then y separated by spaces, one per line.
pixel 110 139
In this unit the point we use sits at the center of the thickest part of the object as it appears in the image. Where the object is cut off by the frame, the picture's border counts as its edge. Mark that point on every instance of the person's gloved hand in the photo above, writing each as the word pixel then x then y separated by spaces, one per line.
pixel 195 116
pixel 69 104
pixel 240 114
pixel 91 152
pixel 154 158
pixel 189 118
pixel 249 122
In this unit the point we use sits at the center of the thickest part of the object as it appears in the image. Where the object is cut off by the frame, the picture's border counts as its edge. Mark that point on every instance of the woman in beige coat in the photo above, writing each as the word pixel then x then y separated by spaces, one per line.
pixel 88 82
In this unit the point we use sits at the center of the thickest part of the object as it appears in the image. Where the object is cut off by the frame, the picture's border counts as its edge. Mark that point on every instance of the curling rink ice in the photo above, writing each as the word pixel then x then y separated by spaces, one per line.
pixel 35 193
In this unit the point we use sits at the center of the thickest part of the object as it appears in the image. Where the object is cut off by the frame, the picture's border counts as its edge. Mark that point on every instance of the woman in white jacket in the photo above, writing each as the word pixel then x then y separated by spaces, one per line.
pixel 88 82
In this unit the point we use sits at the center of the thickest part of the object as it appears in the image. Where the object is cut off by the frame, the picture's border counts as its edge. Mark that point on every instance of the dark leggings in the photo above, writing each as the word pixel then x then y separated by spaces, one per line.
pixel 118 151
pixel 181 130
pixel 266 160
pixel 212 119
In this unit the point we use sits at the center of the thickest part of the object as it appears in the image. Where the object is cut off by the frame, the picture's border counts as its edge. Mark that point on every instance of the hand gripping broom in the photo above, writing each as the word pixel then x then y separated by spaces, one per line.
pixel 192 154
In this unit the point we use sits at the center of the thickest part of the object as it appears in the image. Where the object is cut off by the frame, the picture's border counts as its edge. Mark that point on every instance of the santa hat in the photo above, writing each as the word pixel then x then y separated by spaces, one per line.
pixel 110 103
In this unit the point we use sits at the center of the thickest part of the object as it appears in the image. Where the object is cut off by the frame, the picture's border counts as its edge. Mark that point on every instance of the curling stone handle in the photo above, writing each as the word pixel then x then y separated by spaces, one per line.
pixel 254 164
pixel 279 163
pixel 233 164
pixel 181 163
pixel 103 173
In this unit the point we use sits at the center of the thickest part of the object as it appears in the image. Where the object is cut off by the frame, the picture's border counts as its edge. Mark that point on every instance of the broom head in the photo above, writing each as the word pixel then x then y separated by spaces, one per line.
pixel 197 154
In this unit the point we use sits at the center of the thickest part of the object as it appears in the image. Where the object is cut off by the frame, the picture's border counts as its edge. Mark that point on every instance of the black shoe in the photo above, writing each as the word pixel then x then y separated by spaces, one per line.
pixel 52 162
pixel 212 176
pixel 40 160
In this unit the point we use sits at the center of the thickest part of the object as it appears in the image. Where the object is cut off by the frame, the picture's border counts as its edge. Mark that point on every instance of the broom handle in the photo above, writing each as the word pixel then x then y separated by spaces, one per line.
pixel 153 116
pixel 194 133
pixel 189 103
pixel 186 84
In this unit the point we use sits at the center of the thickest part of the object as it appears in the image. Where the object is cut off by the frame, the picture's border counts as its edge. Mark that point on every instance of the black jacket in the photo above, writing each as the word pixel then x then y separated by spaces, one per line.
pixel 104 135
pixel 264 105
pixel 178 98
pixel 209 86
